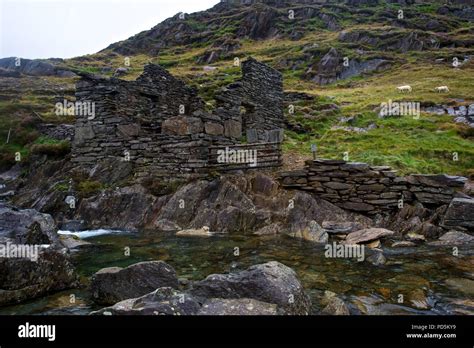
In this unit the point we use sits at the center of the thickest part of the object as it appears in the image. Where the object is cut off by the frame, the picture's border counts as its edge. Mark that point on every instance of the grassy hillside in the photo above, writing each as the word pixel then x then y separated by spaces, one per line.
pixel 424 145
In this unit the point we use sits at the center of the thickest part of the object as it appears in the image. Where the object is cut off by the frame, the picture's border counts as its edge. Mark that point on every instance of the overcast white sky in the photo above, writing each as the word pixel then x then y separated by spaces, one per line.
pixel 70 28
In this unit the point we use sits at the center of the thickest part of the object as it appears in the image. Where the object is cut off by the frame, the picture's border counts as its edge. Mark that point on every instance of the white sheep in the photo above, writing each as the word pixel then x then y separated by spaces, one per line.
pixel 404 88
pixel 442 89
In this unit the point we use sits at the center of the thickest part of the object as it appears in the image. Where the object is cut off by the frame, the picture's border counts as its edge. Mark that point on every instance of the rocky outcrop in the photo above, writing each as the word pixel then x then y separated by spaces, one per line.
pixel 463 114
pixel 9 73
pixel 27 226
pixel 126 208
pixel 111 285
pixel 464 12
pixel 34 67
pixel 33 261
pixel 230 204
pixel 258 24
pixel 392 40
pixel 331 68
pixel 272 282
pixel 221 49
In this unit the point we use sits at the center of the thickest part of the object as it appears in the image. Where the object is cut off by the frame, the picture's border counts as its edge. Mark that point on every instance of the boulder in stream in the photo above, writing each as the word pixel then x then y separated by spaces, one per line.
pixel 114 284
pixel 271 282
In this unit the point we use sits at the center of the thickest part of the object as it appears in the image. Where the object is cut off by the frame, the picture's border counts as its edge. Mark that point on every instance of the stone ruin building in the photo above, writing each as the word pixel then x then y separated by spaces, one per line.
pixel 160 125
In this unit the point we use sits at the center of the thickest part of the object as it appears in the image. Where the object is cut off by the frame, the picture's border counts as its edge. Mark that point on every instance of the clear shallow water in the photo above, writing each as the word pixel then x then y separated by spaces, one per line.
pixel 425 276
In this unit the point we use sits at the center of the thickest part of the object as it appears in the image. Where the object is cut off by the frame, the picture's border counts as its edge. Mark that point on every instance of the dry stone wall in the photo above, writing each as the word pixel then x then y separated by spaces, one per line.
pixel 161 126
pixel 370 189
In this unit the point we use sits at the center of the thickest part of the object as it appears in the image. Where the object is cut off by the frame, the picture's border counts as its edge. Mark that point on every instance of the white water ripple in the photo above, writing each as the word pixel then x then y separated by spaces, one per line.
pixel 91 233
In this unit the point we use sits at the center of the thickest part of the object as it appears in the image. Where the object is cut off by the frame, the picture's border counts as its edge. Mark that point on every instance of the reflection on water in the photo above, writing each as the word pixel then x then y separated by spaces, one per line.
pixel 414 280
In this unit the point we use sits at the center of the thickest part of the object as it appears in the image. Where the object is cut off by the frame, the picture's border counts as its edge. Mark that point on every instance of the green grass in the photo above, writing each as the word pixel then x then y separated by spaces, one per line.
pixel 411 146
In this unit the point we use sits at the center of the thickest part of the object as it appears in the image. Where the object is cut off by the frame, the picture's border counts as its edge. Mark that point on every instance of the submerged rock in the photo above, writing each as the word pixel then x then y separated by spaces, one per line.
pixel 74 244
pixel 403 244
pixel 334 305
pixel 464 285
pixel 271 282
pixel 376 257
pixel 312 232
pixel 373 305
pixel 418 299
pixel 114 284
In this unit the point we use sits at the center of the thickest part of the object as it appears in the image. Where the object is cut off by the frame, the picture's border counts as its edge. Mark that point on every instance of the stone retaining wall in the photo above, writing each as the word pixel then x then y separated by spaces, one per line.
pixel 370 189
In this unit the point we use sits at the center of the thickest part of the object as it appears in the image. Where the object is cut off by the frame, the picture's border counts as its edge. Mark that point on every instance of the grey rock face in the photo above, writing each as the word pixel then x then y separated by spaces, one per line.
pixel 47 269
pixel 311 232
pixel 392 40
pixel 125 208
pixel 460 213
pixel 34 67
pixel 22 279
pixel 332 69
pixel 230 204
pixel 243 306
pixel 111 285
pixel 272 282
pixel 27 226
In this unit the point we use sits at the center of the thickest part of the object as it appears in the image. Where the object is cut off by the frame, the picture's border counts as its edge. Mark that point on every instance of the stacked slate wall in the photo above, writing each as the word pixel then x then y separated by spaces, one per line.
pixel 370 189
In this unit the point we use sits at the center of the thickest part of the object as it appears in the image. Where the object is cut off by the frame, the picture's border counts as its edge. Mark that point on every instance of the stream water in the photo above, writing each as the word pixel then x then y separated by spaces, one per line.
pixel 418 280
